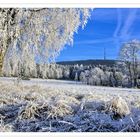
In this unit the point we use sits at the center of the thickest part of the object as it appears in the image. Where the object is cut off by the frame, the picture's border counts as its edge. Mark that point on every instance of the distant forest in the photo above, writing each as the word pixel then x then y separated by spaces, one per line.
pixel 89 62
pixel 92 72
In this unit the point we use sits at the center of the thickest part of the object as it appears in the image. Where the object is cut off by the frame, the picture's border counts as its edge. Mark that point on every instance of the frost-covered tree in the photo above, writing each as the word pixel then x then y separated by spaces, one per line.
pixel 38 32
pixel 82 77
pixel 118 76
pixel 130 55
pixel 76 76
pixel 66 73
pixel 96 76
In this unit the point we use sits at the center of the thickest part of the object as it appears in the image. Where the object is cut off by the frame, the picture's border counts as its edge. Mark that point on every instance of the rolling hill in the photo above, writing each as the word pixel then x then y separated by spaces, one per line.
pixel 89 62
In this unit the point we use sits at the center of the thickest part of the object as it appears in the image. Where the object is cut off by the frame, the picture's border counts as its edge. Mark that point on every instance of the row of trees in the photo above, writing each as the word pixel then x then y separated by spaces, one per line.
pixel 101 75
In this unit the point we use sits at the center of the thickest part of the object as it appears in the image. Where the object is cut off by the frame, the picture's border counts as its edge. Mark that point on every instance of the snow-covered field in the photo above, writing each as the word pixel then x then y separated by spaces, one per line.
pixel 61 106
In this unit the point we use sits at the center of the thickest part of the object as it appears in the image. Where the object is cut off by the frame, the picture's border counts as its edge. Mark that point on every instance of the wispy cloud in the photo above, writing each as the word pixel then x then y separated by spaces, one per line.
pixel 105 40
pixel 125 20
pixel 95 41
pixel 128 23
pixel 119 23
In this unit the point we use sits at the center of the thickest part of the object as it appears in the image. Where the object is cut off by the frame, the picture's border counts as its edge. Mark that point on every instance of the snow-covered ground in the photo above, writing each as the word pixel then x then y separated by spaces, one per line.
pixel 72 85
pixel 58 105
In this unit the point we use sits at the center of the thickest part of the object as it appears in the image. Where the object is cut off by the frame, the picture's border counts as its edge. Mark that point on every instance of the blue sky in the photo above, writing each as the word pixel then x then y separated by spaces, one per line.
pixel 107 28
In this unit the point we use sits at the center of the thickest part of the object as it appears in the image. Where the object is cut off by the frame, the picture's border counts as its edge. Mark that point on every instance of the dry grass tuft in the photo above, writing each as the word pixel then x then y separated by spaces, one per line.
pixel 119 107
pixel 54 107
pixel 31 110
pixel 59 108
